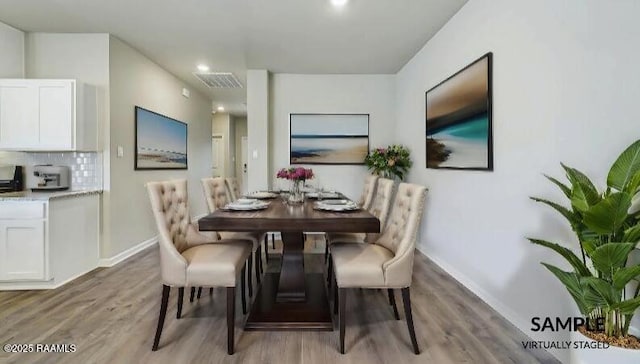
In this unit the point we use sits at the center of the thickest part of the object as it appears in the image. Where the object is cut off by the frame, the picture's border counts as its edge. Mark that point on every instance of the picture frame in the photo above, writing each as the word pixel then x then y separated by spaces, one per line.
pixel 160 141
pixel 332 139
pixel 458 119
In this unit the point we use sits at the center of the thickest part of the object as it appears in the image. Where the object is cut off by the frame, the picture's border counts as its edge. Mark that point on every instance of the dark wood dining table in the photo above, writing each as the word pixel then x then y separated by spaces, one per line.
pixel 291 299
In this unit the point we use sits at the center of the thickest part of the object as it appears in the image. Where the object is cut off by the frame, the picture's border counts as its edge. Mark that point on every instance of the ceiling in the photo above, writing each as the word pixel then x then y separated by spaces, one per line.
pixel 282 36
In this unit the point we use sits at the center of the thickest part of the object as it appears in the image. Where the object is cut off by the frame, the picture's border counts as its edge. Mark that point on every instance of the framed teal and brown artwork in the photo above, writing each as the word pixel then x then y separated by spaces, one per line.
pixel 160 141
pixel 458 119
pixel 328 138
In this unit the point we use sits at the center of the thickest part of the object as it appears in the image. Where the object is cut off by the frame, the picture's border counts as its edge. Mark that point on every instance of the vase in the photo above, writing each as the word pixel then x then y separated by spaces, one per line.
pixel 296 196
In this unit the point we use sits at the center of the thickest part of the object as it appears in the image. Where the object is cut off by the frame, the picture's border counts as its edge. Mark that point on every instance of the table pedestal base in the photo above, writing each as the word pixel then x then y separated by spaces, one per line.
pixel 269 314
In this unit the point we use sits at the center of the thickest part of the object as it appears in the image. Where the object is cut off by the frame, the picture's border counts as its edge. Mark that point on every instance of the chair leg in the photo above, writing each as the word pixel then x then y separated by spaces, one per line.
pixel 335 297
pixel 211 291
pixel 326 251
pixel 406 297
pixel 342 297
pixel 180 299
pixel 231 318
pixel 273 241
pixel 266 249
pixel 193 293
pixel 392 301
pixel 242 291
pixel 258 259
pixel 250 262
pixel 199 292
pixel 163 312
pixel 329 272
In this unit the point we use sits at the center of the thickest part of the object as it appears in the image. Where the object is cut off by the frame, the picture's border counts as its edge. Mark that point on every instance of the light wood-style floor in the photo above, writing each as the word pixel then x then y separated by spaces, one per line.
pixel 111 314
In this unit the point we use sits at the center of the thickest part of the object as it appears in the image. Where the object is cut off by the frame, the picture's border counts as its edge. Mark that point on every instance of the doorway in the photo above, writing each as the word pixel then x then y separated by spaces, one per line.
pixel 217 155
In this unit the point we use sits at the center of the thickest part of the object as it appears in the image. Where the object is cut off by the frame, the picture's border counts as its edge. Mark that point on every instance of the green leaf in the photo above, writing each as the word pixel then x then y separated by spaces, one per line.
pixel 583 192
pixel 572 282
pixel 565 189
pixel 624 168
pixel 572 217
pixel 611 256
pixel 589 246
pixel 629 306
pixel 567 254
pixel 635 204
pixel 600 291
pixel 632 234
pixel 634 184
pixel 608 215
pixel 624 275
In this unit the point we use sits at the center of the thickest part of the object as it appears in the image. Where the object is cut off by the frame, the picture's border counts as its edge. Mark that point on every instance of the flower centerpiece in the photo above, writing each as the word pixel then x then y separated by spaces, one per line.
pixel 297 176
pixel 392 161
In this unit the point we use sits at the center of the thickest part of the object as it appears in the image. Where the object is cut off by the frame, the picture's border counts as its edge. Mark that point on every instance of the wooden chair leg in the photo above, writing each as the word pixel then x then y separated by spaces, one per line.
pixel 335 297
pixel 242 291
pixel 406 297
pixel 273 241
pixel 163 312
pixel 330 273
pixel 231 318
pixel 180 299
pixel 392 301
pixel 193 293
pixel 199 292
pixel 266 249
pixel 326 251
pixel 250 280
pixel 258 259
pixel 211 291
pixel 342 297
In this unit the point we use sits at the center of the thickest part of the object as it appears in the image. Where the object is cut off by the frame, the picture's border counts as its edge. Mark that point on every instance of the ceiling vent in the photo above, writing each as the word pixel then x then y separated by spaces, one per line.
pixel 219 79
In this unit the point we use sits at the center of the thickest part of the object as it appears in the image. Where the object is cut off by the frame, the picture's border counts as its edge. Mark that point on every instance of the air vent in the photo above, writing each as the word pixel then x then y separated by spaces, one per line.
pixel 219 79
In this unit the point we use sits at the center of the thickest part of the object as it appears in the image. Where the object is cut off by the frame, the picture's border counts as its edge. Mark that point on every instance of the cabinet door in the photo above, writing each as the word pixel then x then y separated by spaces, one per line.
pixel 19 125
pixel 56 114
pixel 22 250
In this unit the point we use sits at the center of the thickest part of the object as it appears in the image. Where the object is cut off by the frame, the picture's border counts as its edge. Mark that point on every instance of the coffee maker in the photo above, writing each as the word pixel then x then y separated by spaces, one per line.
pixel 51 178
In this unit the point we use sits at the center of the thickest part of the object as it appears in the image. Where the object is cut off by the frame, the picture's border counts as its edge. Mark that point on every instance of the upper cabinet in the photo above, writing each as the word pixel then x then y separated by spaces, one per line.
pixel 47 115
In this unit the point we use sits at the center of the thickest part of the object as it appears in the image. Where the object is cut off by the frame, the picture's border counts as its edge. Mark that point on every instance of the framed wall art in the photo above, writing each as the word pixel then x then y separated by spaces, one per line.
pixel 161 142
pixel 328 138
pixel 458 119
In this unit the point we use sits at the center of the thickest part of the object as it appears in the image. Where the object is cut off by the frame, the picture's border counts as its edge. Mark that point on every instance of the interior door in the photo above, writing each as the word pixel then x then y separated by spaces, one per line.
pixel 217 155
pixel 244 151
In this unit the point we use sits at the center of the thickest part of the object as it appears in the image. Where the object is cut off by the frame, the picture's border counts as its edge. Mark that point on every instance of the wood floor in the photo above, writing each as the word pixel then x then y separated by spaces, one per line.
pixel 110 315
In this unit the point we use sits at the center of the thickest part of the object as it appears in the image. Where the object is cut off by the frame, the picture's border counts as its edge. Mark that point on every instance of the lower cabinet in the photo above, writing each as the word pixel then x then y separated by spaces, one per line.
pixel 44 244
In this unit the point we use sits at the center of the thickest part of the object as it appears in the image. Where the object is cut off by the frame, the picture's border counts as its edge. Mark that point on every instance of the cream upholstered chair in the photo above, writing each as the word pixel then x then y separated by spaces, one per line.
pixel 385 263
pixel 368 191
pixel 218 194
pixel 188 258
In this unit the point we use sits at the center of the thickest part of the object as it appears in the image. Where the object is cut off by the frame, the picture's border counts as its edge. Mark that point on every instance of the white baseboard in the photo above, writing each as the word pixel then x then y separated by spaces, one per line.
pixel 515 319
pixel 52 284
pixel 110 262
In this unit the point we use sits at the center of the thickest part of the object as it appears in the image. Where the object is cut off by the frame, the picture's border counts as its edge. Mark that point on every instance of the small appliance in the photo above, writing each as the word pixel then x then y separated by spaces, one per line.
pixel 51 178
pixel 11 178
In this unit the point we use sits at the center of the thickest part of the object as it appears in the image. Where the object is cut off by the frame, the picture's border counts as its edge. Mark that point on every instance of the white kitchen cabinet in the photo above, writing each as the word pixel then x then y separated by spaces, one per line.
pixel 22 249
pixel 47 115
pixel 44 244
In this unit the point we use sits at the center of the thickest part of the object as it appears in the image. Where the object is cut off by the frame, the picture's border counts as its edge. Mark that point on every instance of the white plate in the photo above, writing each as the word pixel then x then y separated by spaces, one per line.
pixel 324 195
pixel 336 202
pixel 349 206
pixel 245 201
pixel 258 205
pixel 262 195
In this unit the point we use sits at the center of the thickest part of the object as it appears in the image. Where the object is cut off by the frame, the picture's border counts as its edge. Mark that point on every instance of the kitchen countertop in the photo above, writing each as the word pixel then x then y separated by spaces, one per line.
pixel 46 196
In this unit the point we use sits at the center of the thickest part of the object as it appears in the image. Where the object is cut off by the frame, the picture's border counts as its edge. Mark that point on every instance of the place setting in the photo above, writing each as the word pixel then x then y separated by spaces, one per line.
pixel 246 204
pixel 336 205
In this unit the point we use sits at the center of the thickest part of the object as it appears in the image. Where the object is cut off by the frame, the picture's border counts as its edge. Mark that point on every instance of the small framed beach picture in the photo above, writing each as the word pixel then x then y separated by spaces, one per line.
pixel 328 138
pixel 161 142
pixel 458 119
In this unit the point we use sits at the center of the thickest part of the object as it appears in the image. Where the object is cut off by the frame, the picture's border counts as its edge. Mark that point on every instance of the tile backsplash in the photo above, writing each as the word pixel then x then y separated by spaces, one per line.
pixel 86 167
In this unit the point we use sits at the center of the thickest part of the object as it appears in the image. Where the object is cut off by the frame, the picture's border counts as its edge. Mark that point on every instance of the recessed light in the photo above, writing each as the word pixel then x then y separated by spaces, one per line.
pixel 220 108
pixel 203 68
pixel 338 3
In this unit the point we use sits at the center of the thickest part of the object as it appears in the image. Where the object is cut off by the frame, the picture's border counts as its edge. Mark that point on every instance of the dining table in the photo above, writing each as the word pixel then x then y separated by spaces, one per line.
pixel 290 298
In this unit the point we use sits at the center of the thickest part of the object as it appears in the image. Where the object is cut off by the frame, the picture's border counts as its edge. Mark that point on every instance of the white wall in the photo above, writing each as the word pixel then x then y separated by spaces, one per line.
pixel 566 88
pixel 240 124
pixel 258 129
pixel 220 125
pixel 11 52
pixel 136 80
pixel 365 94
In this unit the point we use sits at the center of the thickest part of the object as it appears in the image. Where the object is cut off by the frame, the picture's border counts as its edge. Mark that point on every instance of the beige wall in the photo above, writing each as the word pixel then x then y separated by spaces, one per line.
pixel 240 125
pixel 221 123
pixel 136 80
pixel 11 52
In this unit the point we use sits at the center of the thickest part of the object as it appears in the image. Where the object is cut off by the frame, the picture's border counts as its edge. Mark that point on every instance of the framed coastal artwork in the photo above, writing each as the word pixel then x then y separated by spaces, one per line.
pixel 458 119
pixel 328 138
pixel 161 142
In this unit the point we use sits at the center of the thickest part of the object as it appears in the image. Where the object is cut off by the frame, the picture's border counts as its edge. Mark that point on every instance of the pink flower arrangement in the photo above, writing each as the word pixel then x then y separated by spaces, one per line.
pixel 295 173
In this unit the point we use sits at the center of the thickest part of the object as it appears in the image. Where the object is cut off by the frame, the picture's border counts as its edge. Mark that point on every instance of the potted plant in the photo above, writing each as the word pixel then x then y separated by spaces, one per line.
pixel 603 282
pixel 390 162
